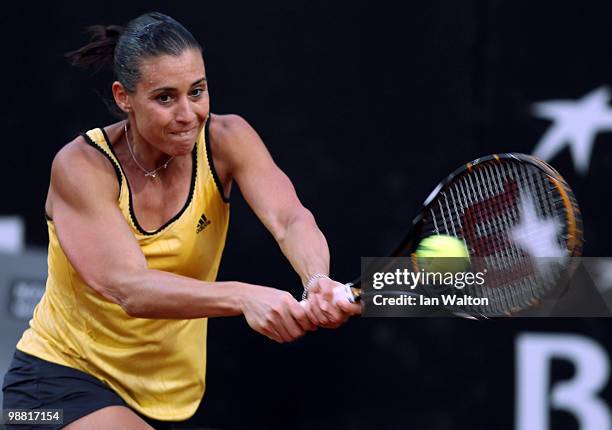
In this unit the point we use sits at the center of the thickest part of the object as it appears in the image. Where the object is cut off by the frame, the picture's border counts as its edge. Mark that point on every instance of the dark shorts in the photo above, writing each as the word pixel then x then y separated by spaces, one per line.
pixel 33 383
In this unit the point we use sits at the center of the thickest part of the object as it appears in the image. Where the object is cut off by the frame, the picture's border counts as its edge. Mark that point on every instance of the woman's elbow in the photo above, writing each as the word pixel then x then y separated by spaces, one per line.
pixel 116 290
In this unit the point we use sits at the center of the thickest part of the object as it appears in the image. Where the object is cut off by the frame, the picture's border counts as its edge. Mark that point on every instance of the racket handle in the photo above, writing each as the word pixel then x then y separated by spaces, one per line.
pixel 343 292
pixel 340 292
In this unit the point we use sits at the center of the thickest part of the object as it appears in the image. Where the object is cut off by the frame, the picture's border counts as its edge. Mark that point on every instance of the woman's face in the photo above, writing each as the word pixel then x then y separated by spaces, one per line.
pixel 170 102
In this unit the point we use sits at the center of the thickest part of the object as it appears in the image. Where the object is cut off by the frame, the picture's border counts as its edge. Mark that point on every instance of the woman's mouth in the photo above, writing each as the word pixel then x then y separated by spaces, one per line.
pixel 183 133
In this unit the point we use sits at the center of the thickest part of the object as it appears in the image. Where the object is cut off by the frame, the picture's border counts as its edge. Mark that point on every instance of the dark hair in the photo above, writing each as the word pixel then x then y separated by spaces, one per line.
pixel 149 35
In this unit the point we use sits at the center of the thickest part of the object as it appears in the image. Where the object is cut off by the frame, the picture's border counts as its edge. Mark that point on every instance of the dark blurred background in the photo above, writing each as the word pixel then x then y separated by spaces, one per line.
pixel 366 106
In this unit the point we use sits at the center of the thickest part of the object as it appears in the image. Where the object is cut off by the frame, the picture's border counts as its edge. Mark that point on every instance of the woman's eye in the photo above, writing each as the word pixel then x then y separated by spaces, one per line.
pixel 197 92
pixel 164 98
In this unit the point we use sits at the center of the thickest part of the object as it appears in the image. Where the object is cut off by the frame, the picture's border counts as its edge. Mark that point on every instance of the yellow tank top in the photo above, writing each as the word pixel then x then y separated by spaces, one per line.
pixel 157 366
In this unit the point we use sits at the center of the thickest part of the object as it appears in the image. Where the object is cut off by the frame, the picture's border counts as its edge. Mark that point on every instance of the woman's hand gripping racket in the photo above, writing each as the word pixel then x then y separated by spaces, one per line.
pixel 520 223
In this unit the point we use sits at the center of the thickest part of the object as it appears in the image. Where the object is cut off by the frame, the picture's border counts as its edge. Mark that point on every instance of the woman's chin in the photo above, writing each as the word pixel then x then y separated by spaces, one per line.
pixel 183 148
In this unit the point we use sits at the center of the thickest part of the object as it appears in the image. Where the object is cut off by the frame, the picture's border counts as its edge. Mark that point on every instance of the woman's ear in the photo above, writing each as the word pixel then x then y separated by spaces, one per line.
pixel 121 97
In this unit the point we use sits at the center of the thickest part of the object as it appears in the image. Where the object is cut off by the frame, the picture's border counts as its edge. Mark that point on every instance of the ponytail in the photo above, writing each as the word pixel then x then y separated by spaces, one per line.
pixel 100 51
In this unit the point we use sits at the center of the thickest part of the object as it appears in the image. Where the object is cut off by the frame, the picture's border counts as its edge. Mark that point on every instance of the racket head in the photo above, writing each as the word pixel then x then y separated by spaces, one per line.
pixel 520 221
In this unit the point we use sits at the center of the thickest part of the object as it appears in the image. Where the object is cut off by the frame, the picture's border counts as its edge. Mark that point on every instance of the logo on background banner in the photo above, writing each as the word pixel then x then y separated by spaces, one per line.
pixel 24 296
pixel 576 123
pixel 537 395
pixel 202 223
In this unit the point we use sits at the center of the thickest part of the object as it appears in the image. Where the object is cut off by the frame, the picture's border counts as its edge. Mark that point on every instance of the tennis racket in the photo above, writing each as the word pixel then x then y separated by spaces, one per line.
pixel 521 224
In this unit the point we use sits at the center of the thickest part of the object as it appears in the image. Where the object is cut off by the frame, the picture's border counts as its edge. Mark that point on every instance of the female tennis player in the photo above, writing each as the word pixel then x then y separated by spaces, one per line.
pixel 137 217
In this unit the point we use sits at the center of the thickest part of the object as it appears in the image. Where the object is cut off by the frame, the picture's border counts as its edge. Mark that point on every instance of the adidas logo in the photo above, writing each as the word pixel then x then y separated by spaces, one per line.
pixel 202 223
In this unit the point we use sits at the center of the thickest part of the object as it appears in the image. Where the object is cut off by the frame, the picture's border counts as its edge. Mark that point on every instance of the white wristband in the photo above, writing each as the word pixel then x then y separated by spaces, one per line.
pixel 311 281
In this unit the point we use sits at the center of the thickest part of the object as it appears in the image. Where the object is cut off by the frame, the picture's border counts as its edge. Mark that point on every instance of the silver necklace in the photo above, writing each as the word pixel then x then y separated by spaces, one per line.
pixel 151 173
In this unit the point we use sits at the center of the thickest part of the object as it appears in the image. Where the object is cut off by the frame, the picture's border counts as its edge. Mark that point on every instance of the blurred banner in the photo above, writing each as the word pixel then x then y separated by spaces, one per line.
pixel 22 284
pixel 12 234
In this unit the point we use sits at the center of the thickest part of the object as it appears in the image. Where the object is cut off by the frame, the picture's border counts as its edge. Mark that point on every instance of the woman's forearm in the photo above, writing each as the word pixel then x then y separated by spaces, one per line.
pixel 163 295
pixel 305 246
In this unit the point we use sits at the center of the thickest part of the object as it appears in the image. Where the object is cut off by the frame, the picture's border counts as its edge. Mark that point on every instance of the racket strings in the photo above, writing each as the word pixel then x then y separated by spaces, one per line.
pixel 484 207
pixel 524 285
pixel 506 257
pixel 499 198
pixel 519 289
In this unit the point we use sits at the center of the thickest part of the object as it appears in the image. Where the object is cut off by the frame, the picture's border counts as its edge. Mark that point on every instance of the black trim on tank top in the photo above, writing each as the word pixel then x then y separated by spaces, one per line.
pixel 115 164
pixel 194 169
pixel 211 163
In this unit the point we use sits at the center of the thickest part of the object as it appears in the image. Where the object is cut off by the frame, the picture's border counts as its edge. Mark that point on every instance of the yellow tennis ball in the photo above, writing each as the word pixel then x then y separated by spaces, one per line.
pixel 442 253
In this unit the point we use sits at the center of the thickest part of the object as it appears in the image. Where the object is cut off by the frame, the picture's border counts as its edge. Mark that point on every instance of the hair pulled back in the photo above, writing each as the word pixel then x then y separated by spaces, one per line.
pixel 150 35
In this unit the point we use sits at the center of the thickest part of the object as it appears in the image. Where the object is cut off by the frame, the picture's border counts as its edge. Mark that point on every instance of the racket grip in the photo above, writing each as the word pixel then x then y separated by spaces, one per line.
pixel 343 293
pixel 340 292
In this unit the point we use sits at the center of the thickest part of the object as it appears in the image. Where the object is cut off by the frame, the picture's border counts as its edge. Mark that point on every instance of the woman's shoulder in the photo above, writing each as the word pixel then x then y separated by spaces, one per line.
pixel 79 157
pixel 77 154
pixel 232 140
pixel 81 176
pixel 231 135
pixel 83 150
pixel 226 126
